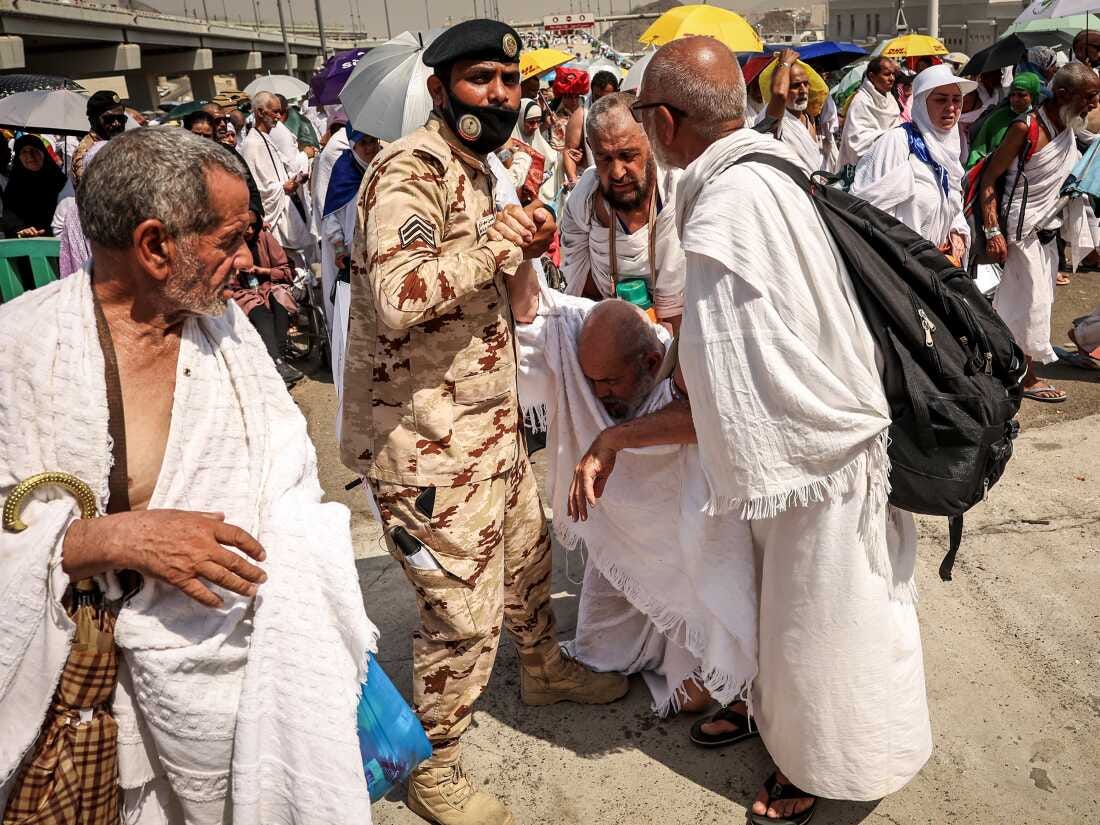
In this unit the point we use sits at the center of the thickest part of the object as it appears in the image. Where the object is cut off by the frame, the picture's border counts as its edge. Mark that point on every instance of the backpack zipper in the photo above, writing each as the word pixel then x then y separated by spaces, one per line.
pixel 929 328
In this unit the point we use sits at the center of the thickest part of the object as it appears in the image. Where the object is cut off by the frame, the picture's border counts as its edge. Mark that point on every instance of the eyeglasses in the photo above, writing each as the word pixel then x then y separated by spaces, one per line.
pixel 636 109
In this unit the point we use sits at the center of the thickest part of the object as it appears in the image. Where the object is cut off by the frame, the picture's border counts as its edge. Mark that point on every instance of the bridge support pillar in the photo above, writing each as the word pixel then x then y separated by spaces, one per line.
pixel 202 84
pixel 141 88
pixel 11 53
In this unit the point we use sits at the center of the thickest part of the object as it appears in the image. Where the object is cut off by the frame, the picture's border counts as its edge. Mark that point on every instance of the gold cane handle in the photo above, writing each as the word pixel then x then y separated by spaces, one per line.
pixel 13 507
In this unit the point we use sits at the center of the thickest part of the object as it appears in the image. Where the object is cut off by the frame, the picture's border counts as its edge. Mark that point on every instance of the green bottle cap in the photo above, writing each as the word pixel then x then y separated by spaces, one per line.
pixel 634 290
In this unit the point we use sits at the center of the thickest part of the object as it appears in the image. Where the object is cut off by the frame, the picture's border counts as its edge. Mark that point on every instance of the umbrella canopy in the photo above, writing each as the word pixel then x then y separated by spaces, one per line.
pixel 1047 9
pixel 1009 49
pixel 541 61
pixel 914 45
pixel 711 21
pixel 325 85
pixel 387 94
pixel 277 84
pixel 1070 25
pixel 55 112
pixel 826 55
pixel 182 111
pixel 633 80
pixel 12 83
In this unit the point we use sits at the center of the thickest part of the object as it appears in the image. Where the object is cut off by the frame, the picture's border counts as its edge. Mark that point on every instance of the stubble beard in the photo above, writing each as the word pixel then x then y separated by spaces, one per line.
pixel 627 203
pixel 187 290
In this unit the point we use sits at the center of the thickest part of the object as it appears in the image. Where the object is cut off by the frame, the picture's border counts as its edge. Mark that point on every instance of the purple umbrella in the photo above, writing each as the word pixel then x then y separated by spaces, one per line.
pixel 325 86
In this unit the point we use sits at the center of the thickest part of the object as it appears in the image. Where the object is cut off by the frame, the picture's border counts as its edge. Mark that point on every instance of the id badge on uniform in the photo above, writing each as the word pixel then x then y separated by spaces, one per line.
pixel 484 223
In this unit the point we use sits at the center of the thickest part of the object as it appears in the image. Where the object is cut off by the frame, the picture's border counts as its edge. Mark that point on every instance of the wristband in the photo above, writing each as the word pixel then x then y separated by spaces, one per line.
pixel 991 232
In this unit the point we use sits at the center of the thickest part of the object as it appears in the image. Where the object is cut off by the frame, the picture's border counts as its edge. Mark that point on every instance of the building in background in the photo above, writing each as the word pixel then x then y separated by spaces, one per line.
pixel 964 26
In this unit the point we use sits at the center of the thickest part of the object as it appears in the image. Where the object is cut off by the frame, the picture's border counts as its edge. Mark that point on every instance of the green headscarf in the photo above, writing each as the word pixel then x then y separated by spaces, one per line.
pixel 994 127
pixel 1029 82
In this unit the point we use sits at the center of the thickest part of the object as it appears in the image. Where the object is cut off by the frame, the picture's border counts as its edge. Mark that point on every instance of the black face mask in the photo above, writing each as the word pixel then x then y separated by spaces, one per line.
pixel 483 128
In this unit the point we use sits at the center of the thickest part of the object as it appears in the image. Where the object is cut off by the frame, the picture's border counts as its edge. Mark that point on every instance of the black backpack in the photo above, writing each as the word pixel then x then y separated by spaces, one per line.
pixel 953 373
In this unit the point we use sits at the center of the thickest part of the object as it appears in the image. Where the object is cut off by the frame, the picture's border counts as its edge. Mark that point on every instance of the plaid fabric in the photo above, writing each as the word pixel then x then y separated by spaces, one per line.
pixel 72 779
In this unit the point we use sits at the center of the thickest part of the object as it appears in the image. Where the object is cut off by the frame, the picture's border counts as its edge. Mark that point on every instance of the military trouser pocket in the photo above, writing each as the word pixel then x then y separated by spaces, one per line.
pixel 450 610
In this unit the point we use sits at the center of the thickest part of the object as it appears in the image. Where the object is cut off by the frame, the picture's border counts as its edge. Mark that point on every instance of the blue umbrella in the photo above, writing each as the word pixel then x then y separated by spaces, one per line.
pixel 325 86
pixel 825 55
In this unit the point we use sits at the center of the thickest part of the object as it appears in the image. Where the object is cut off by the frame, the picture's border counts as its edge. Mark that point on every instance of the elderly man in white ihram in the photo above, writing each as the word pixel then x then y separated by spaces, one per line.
pixel 914 170
pixel 664 593
pixel 872 110
pixel 238 682
pixel 792 422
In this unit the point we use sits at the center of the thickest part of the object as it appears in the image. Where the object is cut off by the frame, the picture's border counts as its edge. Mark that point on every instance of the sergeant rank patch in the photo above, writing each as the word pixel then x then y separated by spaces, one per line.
pixel 415 228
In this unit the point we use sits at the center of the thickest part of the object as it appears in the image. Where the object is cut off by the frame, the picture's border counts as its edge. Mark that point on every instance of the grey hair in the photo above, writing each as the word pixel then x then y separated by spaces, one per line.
pixel 1074 77
pixel 261 99
pixel 712 103
pixel 614 105
pixel 157 172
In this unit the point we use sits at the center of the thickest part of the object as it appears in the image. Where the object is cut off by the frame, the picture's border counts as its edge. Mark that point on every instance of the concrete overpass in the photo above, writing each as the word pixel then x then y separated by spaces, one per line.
pixel 82 40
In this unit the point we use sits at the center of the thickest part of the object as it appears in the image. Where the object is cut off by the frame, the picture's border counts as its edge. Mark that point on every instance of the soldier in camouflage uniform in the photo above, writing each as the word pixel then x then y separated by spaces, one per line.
pixel 430 411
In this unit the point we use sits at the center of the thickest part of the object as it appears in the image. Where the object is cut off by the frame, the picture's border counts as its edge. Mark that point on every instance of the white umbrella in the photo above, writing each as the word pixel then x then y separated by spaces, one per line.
pixel 52 112
pixel 278 84
pixel 387 94
pixel 1045 9
pixel 633 80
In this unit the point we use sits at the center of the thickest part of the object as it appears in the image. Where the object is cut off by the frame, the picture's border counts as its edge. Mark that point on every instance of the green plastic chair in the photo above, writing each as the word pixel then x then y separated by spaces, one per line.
pixel 43 254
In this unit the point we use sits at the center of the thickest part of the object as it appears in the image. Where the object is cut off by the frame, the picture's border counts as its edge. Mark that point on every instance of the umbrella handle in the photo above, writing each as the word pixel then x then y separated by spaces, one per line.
pixel 13 507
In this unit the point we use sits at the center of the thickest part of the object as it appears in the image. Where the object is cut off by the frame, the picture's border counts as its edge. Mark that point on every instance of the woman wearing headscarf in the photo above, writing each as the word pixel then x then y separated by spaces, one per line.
pixel 34 183
pixel 529 131
pixel 263 294
pixel 1025 93
pixel 914 172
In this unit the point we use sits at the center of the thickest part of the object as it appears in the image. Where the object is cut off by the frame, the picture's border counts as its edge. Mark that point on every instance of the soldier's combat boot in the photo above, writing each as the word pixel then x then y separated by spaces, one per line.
pixel 562 678
pixel 442 794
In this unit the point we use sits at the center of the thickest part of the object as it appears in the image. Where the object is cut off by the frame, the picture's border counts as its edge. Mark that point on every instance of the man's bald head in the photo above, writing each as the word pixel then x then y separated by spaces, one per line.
pixel 692 95
pixel 1086 47
pixel 620 354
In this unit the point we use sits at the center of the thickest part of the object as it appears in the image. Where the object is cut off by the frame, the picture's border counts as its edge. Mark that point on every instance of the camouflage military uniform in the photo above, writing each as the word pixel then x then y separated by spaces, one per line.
pixel 430 414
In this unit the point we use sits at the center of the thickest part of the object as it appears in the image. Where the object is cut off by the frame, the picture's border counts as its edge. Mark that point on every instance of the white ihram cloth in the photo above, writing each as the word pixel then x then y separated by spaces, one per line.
pixel 869 115
pixel 585 247
pixel 270 171
pixel 773 338
pixel 813 154
pixel 1026 294
pixel 284 140
pixel 245 712
pixel 689 573
pixel 322 171
pixel 901 184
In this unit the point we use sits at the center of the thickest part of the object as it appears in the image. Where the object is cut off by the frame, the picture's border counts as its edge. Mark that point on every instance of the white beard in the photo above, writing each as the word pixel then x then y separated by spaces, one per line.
pixel 798 107
pixel 1073 122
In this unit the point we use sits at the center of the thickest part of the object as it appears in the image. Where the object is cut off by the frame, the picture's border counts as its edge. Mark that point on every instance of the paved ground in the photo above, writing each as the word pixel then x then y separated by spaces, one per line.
pixel 1011 651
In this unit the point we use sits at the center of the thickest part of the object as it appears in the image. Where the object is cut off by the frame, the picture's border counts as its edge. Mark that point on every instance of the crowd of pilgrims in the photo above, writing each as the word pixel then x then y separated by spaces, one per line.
pixel 909 138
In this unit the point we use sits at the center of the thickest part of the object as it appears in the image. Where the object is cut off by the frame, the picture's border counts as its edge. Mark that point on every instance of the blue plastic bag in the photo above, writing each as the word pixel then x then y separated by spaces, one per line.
pixel 391 738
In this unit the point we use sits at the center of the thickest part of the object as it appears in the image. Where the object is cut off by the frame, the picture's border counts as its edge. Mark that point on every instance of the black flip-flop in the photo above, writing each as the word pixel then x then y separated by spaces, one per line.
pixel 745 729
pixel 778 791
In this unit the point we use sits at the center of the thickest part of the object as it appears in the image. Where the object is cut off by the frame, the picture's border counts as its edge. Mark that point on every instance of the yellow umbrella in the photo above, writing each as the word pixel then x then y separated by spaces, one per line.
pixel 540 61
pixel 711 21
pixel 914 45
pixel 819 89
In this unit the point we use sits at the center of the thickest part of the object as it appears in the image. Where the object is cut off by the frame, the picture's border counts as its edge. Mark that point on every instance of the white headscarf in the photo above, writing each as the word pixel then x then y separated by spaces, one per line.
pixel 944 145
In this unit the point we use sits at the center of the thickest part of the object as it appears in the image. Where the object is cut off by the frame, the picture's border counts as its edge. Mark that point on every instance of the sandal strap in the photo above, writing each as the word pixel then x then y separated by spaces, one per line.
pixel 778 790
pixel 734 717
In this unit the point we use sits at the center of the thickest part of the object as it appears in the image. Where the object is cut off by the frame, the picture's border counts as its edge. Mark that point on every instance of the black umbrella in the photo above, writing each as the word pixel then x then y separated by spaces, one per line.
pixel 1008 50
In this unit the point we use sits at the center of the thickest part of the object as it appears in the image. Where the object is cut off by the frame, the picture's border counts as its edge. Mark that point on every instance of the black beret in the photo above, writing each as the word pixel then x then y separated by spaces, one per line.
pixel 474 40
pixel 102 101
